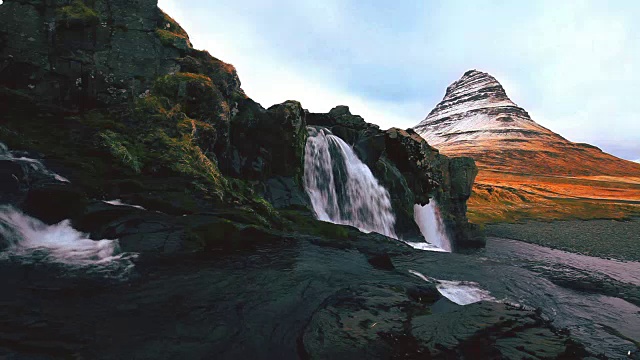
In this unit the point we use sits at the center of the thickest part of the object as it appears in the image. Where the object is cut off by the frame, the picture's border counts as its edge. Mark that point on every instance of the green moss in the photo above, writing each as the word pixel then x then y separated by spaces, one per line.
pixel 175 85
pixel 168 38
pixel 152 142
pixel 118 147
pixel 77 13
pixel 306 223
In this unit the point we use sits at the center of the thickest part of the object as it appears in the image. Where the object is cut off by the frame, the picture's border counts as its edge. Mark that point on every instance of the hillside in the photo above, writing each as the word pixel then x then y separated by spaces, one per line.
pixel 526 170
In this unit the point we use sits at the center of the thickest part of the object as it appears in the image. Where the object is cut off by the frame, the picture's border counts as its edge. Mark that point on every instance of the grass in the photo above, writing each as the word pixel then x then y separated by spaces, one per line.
pixel 500 197
pixel 168 38
pixel 77 13
pixel 549 211
pixel 118 148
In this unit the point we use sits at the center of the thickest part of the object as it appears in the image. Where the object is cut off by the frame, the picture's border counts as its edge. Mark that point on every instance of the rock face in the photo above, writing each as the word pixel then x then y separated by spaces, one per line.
pixel 476 118
pixel 101 70
pixel 76 56
pixel 411 170
pixel 123 83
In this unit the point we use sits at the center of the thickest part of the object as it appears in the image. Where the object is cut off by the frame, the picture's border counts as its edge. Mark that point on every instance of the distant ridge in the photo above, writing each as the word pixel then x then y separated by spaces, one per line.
pixel 476 118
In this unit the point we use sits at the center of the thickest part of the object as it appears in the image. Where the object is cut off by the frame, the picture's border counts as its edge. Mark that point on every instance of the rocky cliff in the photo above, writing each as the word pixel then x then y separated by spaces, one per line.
pixel 115 92
pixel 116 95
pixel 476 118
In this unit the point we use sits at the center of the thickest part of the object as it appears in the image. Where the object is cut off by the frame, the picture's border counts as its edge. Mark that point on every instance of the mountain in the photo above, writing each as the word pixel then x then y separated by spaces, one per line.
pixel 526 171
pixel 476 118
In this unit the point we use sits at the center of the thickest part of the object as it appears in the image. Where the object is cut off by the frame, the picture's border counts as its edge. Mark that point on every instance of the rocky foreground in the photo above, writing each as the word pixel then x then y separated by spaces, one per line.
pixel 259 295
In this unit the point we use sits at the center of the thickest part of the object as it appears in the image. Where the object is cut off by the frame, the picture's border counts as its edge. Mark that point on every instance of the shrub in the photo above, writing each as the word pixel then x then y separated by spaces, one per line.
pixel 77 14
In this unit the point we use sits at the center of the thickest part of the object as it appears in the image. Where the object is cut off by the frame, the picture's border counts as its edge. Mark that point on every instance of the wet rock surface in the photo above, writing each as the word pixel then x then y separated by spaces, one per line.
pixel 300 297
pixel 230 283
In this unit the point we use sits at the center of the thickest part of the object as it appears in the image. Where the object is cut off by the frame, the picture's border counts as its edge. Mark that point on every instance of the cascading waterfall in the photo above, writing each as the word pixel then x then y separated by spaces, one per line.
pixel 342 188
pixel 29 240
pixel 431 226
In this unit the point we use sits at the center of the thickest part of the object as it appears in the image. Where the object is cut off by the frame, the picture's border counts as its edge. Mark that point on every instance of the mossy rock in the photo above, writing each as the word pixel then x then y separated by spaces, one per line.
pixel 169 24
pixel 196 96
pixel 76 14
pixel 168 38
pixel 223 75
pixel 304 222
pixel 224 235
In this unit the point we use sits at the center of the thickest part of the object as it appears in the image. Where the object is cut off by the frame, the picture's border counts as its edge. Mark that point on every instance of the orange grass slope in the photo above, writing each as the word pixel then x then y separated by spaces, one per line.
pixel 526 170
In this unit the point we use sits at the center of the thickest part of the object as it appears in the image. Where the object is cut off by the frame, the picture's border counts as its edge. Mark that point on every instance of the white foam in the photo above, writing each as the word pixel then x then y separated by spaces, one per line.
pixel 29 238
pixel 459 292
pixel 342 188
pixel 463 292
pixel 34 164
pixel 118 202
pixel 431 226
pixel 424 246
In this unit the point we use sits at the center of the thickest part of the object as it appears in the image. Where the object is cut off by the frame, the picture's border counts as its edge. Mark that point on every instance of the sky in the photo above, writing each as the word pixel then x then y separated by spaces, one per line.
pixel 573 65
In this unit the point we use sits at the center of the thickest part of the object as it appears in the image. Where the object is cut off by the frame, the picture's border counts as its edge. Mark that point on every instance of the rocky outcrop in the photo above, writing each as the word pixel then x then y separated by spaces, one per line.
pixel 477 119
pixel 104 69
pixel 411 170
pixel 133 101
pixel 79 55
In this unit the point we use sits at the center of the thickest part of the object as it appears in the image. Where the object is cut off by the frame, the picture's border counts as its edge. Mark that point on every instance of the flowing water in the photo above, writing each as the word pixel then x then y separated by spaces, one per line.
pixel 29 240
pixel 596 299
pixel 342 188
pixel 28 164
pixel 431 226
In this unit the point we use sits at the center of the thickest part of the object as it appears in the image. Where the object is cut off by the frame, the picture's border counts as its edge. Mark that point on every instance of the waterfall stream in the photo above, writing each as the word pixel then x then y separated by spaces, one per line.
pixel 431 226
pixel 342 188
pixel 29 240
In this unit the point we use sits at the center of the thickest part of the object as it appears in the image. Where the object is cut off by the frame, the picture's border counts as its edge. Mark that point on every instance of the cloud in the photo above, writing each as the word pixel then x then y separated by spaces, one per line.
pixel 573 65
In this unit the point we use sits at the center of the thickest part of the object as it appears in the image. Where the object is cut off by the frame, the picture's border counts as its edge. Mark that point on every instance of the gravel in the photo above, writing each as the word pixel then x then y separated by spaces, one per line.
pixel 601 238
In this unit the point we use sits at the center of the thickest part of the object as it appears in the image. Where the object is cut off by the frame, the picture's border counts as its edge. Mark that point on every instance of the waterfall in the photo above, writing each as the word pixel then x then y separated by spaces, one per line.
pixel 28 165
pixel 342 188
pixel 431 226
pixel 27 239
